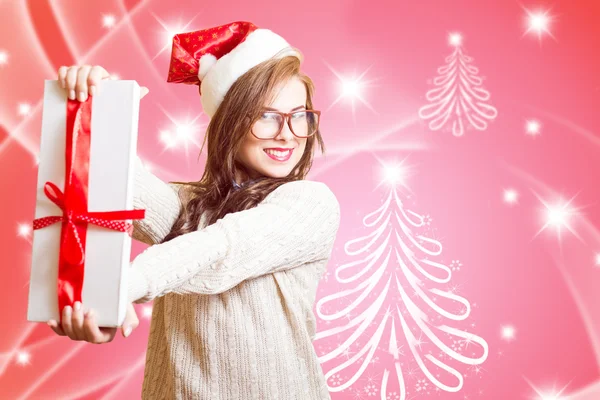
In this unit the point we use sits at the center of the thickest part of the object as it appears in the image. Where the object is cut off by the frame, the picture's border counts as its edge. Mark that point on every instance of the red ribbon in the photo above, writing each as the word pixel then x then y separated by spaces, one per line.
pixel 73 202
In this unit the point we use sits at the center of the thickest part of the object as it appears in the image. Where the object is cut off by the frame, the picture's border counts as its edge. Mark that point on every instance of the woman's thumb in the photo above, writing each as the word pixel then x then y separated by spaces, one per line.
pixel 130 323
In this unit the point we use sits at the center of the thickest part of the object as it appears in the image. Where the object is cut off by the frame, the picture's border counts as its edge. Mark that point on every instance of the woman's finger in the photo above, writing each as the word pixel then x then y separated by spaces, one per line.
pixel 71 80
pixel 56 328
pixel 77 321
pixel 66 322
pixel 93 332
pixel 62 75
pixel 131 321
pixel 97 73
pixel 90 328
pixel 87 329
pixel 82 82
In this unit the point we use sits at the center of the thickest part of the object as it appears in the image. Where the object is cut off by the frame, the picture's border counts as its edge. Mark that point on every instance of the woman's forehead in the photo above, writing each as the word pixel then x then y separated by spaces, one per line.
pixel 289 95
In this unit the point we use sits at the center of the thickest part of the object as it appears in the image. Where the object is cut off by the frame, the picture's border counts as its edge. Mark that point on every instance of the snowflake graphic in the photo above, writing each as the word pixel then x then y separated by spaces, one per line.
pixel 457 345
pixel 427 219
pixel 455 265
pixel 393 396
pixel 371 390
pixel 336 379
pixel 421 385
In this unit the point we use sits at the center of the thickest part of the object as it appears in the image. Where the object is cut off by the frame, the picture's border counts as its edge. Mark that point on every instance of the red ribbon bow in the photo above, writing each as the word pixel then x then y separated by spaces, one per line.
pixel 73 202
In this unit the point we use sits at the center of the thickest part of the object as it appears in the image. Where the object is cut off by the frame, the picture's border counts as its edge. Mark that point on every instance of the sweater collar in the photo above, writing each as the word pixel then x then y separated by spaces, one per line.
pixel 237 186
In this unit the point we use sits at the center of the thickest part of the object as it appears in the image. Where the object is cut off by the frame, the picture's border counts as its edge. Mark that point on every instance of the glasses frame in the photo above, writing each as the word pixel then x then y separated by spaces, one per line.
pixel 287 117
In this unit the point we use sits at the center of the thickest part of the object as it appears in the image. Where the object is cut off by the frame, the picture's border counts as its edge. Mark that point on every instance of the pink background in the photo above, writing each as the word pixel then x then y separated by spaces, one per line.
pixel 545 286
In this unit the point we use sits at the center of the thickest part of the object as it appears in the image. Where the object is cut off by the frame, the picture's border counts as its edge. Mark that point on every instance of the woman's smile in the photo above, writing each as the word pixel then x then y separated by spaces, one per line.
pixel 279 154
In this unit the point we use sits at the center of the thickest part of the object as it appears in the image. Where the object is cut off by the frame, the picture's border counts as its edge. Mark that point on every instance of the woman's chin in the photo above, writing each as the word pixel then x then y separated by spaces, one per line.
pixel 277 172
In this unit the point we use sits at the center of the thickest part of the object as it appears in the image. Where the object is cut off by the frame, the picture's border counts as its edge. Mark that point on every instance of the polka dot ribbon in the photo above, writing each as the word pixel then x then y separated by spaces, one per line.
pixel 107 219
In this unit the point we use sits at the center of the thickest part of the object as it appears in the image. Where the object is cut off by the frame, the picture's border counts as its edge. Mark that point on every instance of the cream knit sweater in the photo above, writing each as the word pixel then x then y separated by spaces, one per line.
pixel 232 315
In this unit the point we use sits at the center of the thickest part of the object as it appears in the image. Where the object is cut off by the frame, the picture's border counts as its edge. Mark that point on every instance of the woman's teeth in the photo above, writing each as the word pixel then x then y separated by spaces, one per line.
pixel 277 153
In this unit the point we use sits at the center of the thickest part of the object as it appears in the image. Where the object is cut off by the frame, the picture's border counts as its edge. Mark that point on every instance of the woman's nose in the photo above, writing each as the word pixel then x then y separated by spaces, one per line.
pixel 286 133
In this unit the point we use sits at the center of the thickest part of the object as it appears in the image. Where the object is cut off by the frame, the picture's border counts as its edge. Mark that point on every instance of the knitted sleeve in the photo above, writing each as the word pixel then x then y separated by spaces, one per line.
pixel 295 224
pixel 161 202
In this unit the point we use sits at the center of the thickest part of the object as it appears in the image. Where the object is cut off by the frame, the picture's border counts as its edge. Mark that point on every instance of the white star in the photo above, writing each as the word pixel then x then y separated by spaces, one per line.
pixel 394 173
pixel 3 57
pixel 510 196
pixel 108 21
pixel 171 31
pixel 24 109
pixel 24 230
pixel 147 311
pixel 559 216
pixel 538 22
pixel 455 39
pixel 508 332
pixel 180 134
pixel 351 88
pixel 552 394
pixel 532 127
pixel 23 358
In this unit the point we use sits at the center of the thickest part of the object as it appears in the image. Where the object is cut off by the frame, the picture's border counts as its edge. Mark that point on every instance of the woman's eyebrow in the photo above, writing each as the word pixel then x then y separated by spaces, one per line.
pixel 293 109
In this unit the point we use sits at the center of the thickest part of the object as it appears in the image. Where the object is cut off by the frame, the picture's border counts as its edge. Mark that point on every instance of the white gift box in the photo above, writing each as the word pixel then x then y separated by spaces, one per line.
pixel 114 127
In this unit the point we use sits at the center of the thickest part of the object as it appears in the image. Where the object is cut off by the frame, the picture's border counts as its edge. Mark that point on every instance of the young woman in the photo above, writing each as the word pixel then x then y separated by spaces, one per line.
pixel 235 258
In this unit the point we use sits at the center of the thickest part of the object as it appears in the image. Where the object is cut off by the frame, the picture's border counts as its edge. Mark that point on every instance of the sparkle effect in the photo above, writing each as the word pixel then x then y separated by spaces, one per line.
pixel 538 22
pixel 548 394
pixel 508 332
pixel 511 196
pixel 24 109
pixel 108 21
pixel 24 230
pixel 170 32
pixel 455 39
pixel 532 127
pixel 559 215
pixel 23 358
pixel 352 88
pixel 3 57
pixel 147 312
pixel 180 135
pixel 394 173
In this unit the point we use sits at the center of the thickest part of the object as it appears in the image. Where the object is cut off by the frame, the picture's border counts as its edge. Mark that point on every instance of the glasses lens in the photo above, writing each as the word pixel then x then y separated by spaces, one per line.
pixel 267 125
pixel 304 124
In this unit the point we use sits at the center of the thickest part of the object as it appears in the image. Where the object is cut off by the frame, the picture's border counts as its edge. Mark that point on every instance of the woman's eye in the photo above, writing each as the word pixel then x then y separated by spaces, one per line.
pixel 268 116
pixel 300 114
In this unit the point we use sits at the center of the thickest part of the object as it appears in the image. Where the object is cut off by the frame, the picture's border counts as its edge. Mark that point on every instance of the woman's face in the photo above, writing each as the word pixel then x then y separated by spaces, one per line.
pixel 253 153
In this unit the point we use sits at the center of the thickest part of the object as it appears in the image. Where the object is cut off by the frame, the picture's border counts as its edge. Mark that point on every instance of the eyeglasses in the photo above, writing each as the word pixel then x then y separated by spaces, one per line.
pixel 303 123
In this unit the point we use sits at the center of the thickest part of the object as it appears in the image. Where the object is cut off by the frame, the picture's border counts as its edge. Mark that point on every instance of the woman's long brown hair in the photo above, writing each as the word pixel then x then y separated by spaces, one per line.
pixel 242 105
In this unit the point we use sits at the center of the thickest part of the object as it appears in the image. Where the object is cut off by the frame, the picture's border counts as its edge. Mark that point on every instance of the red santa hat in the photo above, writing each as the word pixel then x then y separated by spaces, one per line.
pixel 214 58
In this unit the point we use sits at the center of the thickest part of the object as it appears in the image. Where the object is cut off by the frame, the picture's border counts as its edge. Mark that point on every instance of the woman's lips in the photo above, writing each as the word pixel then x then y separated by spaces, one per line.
pixel 281 159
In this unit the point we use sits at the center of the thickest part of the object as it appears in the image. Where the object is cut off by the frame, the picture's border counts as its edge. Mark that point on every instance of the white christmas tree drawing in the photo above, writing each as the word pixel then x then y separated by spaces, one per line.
pixel 458 97
pixel 397 312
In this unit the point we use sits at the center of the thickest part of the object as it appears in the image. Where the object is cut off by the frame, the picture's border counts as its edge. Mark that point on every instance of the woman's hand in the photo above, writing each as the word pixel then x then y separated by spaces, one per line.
pixel 78 80
pixel 78 325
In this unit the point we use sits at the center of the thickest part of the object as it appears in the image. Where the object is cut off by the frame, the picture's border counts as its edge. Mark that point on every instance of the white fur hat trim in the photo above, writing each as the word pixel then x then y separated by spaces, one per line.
pixel 260 45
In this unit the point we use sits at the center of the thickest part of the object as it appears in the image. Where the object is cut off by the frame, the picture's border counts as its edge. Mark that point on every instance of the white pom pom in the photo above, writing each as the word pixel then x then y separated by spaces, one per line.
pixel 206 62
